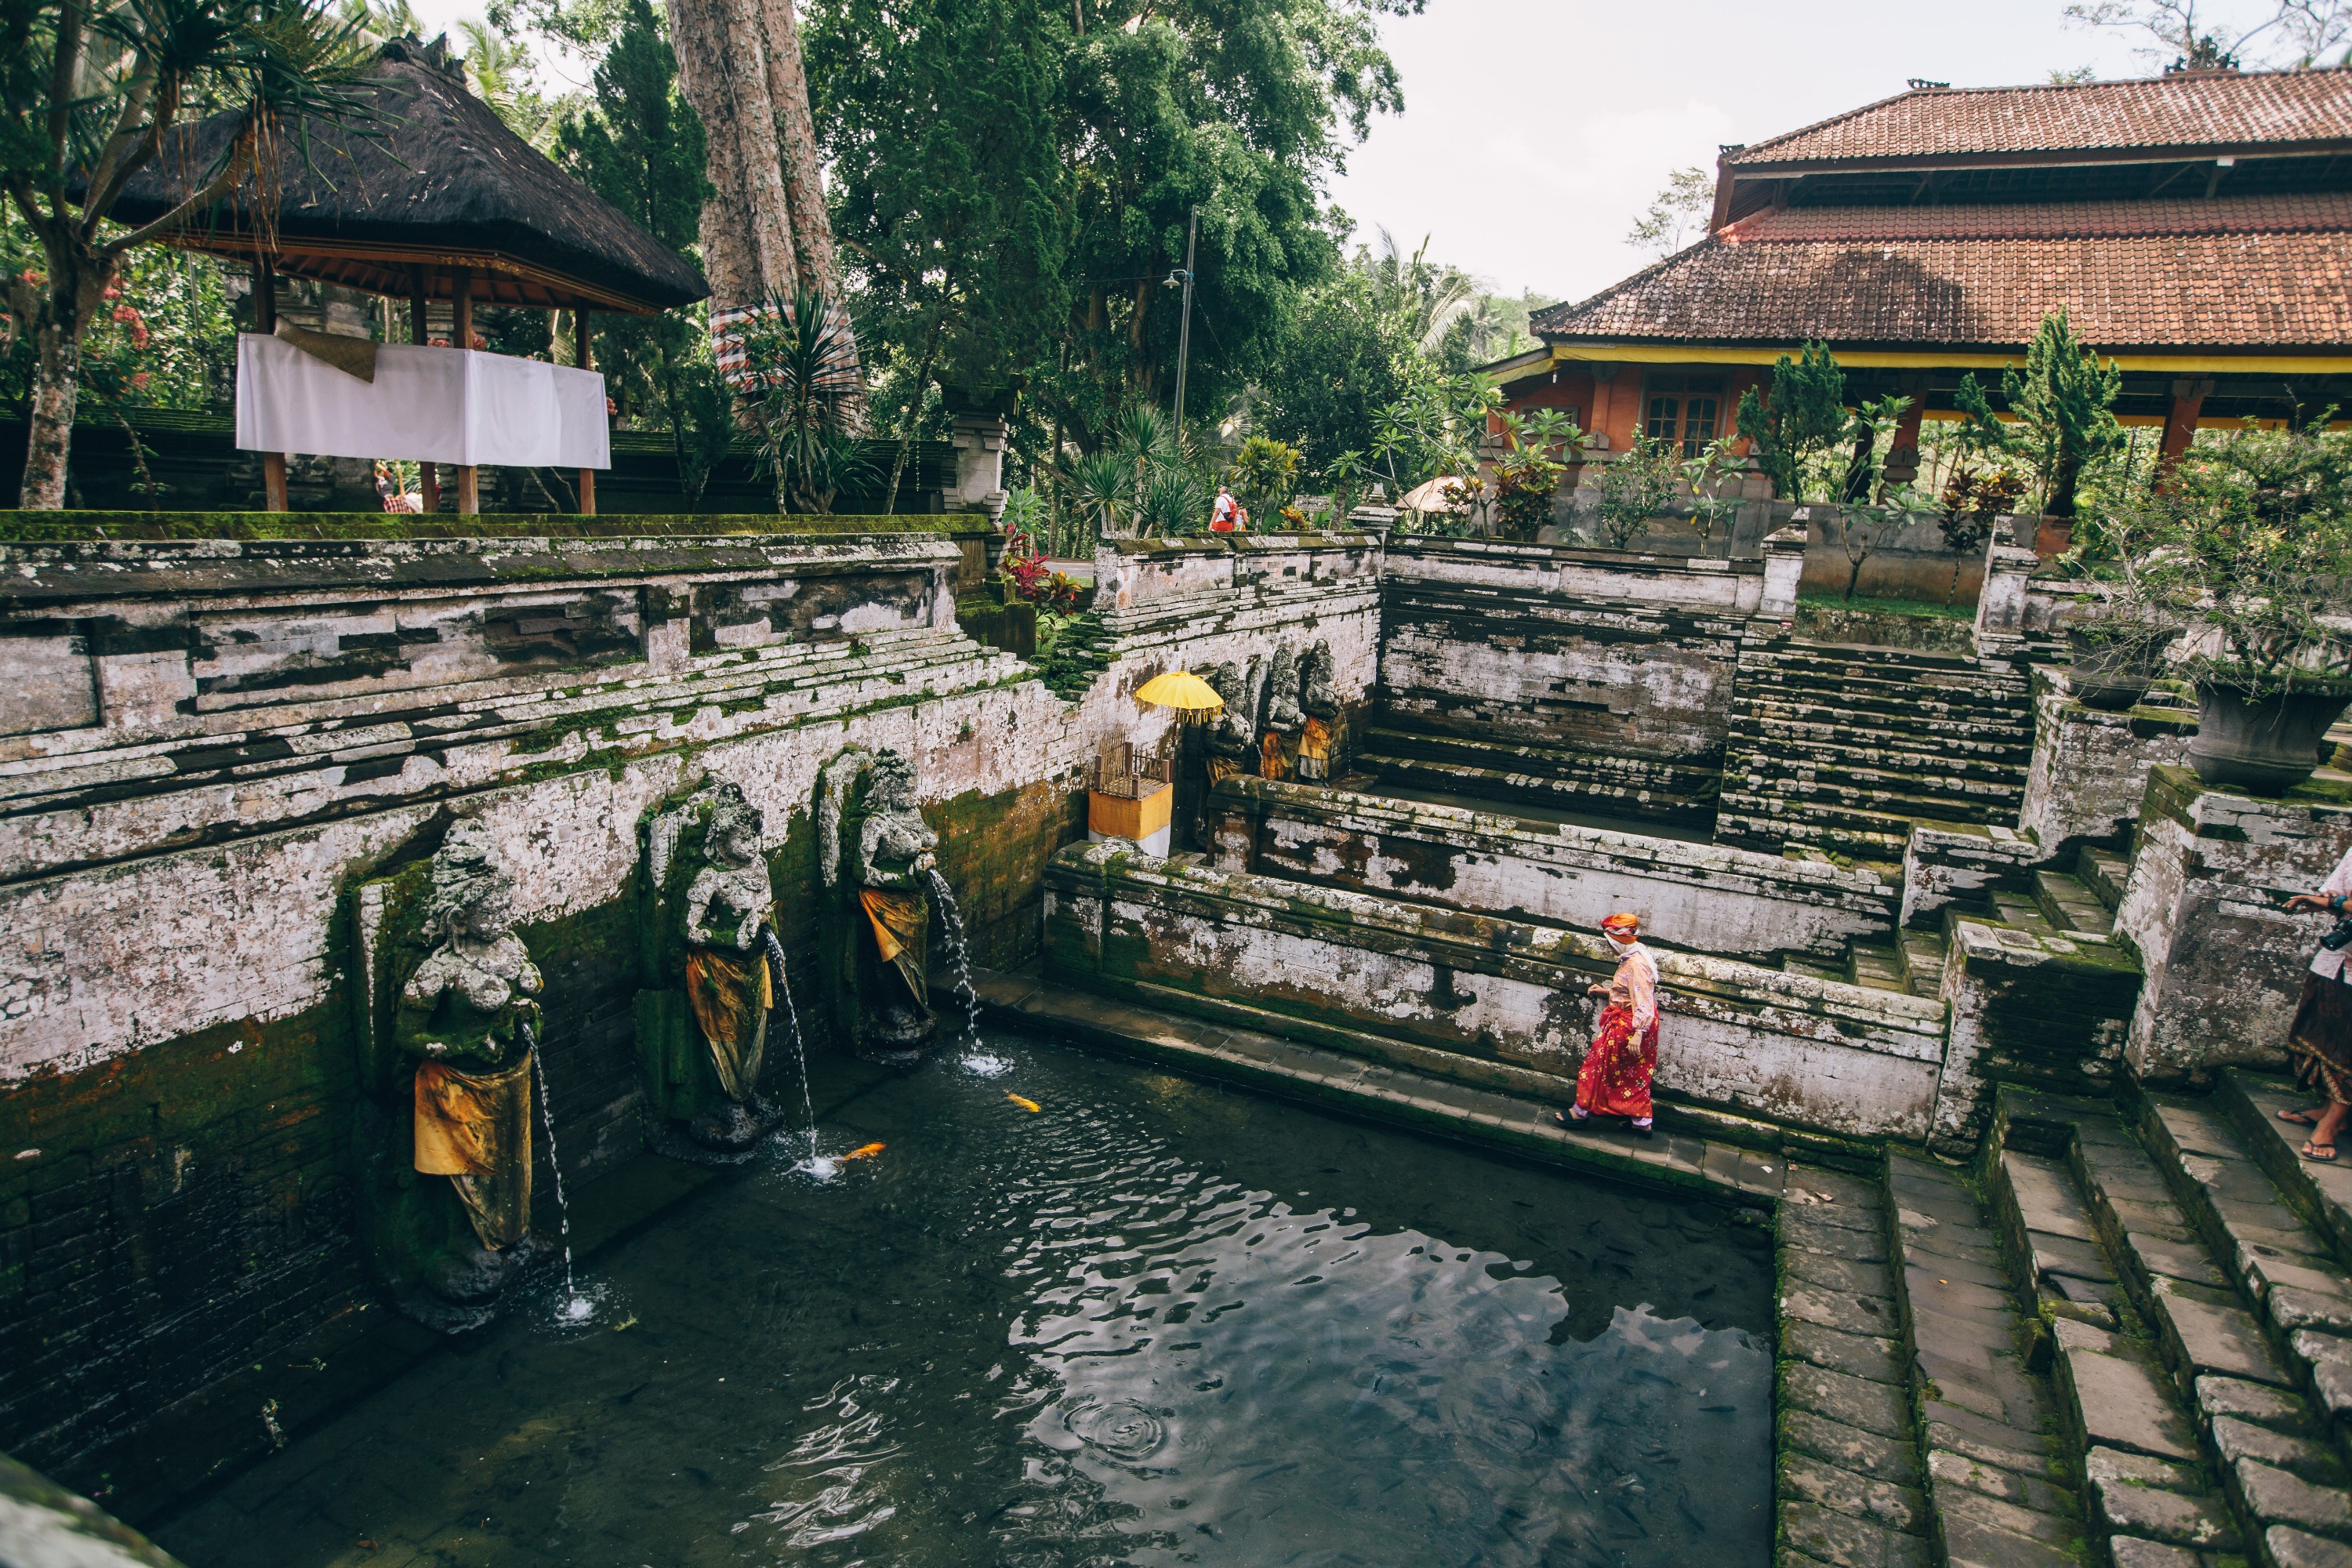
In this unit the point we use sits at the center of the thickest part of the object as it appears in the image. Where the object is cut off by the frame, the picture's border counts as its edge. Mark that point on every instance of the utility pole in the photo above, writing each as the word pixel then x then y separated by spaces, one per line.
pixel 1184 333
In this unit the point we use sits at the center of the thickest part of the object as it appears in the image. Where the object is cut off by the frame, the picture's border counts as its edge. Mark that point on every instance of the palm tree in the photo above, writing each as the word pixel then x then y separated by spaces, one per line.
pixel 1101 485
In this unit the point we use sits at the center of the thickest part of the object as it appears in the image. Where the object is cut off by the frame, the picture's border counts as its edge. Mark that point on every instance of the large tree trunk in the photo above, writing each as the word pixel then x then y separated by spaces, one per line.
pixel 765 234
pixel 747 230
pixel 57 389
pixel 796 132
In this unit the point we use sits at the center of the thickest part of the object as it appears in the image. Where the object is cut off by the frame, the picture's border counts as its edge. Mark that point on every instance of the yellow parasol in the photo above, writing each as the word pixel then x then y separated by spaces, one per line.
pixel 1194 699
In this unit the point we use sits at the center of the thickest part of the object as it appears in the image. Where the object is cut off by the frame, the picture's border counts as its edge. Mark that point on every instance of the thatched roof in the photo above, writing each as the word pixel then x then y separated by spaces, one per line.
pixel 437 181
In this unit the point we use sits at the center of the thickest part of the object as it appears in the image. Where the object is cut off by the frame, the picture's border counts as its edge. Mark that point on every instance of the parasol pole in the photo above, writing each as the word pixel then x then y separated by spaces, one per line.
pixel 265 322
pixel 420 333
pixel 461 281
pixel 587 358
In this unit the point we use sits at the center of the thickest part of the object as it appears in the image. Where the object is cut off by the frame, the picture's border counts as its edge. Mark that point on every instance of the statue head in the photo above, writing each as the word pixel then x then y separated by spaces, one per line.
pixel 736 828
pixel 894 781
pixel 472 895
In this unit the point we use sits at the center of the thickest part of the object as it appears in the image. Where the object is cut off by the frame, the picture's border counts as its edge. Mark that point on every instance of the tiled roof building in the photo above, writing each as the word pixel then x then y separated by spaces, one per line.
pixel 2197 227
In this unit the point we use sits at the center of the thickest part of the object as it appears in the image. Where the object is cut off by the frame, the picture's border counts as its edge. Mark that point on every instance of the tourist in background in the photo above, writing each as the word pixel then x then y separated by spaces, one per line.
pixel 1221 515
pixel 1617 1065
pixel 2319 1041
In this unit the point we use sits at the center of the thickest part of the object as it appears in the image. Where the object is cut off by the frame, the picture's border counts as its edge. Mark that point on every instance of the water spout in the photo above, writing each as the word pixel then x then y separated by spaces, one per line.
pixel 943 898
pixel 576 1308
pixel 800 1047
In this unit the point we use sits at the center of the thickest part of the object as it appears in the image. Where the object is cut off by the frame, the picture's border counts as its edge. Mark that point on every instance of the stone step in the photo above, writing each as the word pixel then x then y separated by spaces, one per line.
pixel 2321 1194
pixel 1984 1415
pixel 1814 971
pixel 1849 1486
pixel 1830 802
pixel 1880 968
pixel 2074 1217
pixel 1769 825
pixel 1766 771
pixel 2284 1269
pixel 1599 797
pixel 2162 1202
pixel 1953 752
pixel 2070 906
pixel 1796 654
pixel 1908 712
pixel 2104 872
pixel 1923 953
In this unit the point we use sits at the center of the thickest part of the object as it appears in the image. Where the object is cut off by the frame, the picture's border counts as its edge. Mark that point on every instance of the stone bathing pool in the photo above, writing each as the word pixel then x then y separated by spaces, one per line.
pixel 1152 1322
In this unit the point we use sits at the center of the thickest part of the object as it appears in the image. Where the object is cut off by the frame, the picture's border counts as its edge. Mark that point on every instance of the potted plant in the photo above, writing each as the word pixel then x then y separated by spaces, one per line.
pixel 2265 520
pixel 2147 587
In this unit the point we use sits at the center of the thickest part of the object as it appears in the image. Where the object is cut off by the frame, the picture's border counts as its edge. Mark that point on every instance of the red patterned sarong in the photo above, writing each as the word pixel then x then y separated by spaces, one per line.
pixel 1615 1077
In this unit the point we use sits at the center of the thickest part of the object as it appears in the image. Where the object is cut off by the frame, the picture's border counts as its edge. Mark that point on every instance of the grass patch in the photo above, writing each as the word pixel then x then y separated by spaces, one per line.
pixel 1834 604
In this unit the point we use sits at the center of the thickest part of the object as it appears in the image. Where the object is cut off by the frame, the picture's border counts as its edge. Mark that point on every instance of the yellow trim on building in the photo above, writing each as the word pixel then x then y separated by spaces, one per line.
pixel 1864 359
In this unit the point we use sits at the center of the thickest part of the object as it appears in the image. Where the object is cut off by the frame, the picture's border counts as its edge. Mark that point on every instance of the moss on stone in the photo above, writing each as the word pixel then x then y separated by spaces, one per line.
pixel 40 527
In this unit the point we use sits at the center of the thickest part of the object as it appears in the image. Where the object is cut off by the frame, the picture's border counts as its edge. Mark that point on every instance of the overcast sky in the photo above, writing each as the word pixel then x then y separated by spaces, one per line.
pixel 1535 132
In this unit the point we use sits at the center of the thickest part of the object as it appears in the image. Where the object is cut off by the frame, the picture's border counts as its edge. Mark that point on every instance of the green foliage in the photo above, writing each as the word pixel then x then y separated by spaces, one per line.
pixel 2256 530
pixel 1432 430
pixel 1678 215
pixel 86 100
pixel 1713 477
pixel 804 392
pixel 1870 435
pixel 1634 489
pixel 1537 446
pixel 1803 419
pixel 641 148
pixel 2064 404
pixel 1264 476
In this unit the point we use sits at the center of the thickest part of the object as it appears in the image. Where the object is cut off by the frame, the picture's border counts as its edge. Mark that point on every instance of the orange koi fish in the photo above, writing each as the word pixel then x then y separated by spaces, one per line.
pixel 864 1152
pixel 1025 1104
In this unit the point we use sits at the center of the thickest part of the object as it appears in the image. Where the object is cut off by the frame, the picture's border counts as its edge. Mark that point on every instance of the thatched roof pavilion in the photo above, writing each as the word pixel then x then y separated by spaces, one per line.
pixel 435 190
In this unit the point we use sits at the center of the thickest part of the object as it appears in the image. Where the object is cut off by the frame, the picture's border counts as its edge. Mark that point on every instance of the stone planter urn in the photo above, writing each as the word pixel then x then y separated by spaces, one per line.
pixel 2261 745
pixel 2110 675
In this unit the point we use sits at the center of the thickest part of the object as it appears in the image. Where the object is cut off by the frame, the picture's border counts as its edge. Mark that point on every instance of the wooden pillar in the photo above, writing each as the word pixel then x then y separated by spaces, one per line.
pixel 585 353
pixel 2181 423
pixel 420 333
pixel 265 320
pixel 461 299
pixel 1903 453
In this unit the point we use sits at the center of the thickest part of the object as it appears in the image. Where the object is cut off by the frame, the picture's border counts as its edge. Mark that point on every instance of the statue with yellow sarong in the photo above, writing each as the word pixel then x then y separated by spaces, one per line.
pixel 730 912
pixel 877 856
pixel 1319 700
pixel 468 1015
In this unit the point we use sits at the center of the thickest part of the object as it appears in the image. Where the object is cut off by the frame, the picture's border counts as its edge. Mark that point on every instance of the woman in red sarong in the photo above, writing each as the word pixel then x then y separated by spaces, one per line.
pixel 1618 1064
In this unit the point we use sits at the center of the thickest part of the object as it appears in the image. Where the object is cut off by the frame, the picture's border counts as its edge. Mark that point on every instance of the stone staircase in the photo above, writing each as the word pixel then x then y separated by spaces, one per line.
pixel 2078 903
pixel 2188 1300
pixel 1839 748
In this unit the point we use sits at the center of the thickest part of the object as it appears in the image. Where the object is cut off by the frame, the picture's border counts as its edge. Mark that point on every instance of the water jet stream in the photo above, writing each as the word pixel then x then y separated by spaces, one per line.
pixel 575 1306
pixel 944 896
pixel 800 1047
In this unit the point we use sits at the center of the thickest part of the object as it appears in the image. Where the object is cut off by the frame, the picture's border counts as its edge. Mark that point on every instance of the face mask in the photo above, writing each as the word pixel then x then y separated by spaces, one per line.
pixel 1620 943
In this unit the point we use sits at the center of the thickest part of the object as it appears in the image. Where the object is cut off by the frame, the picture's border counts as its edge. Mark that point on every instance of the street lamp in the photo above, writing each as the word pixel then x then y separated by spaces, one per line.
pixel 1183 275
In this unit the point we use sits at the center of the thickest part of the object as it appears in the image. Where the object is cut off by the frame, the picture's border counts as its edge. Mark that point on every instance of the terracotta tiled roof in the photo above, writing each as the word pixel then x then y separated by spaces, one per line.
pixel 2302 210
pixel 2201 292
pixel 2218 109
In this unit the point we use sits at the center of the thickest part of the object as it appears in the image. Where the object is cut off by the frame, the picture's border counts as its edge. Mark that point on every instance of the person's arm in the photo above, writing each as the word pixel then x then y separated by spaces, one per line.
pixel 2335 894
pixel 1642 991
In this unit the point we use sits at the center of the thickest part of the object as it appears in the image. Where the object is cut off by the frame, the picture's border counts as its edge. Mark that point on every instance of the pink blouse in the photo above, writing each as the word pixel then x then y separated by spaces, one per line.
pixel 1635 986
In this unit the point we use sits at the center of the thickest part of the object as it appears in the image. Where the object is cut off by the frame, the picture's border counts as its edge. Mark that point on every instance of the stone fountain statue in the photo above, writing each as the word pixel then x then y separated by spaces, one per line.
pixel 466 1020
pixel 1283 718
pixel 730 908
pixel 711 943
pixel 876 856
pixel 1319 699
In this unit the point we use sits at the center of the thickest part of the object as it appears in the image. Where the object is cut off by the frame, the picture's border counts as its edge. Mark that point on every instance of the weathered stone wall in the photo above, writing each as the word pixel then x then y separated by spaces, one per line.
pixel 2090 768
pixel 1947 863
pixel 231 732
pixel 1728 902
pixel 1479 997
pixel 2224 963
pixel 2048 1011
pixel 1495 672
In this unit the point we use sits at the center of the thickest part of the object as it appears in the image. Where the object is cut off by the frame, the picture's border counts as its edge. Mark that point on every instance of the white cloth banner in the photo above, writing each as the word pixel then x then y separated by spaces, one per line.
pixel 427 404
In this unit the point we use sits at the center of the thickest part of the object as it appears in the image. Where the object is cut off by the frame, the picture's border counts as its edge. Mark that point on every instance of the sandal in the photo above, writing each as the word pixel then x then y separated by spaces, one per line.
pixel 2312 1152
pixel 2300 1118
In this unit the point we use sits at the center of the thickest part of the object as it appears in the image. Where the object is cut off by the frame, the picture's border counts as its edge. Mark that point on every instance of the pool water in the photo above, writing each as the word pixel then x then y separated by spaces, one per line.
pixel 1152 1322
